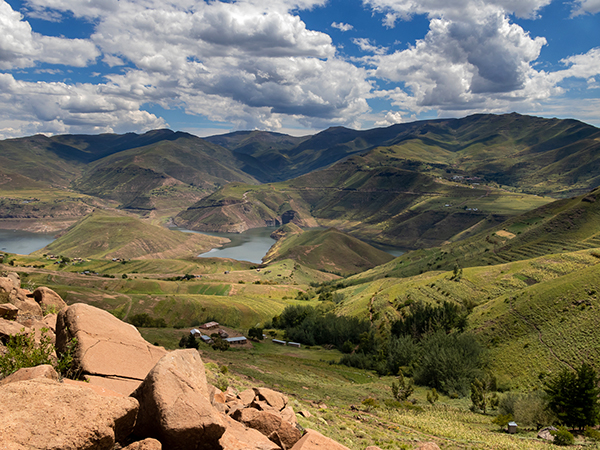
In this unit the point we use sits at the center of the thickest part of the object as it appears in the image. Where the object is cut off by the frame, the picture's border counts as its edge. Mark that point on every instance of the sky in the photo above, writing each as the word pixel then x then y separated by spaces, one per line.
pixel 291 66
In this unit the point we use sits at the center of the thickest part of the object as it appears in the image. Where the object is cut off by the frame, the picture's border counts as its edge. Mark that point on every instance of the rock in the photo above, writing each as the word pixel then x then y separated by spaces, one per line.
pixel 146 444
pixel 45 414
pixel 110 351
pixel 289 415
pixel 373 447
pixel 50 321
pixel 15 278
pixel 239 437
pixel 49 300
pixel 7 285
pixel 30 373
pixel 427 446
pixel 8 311
pixel 273 398
pixel 175 406
pixel 100 390
pixel 39 328
pixel 304 413
pixel 269 424
pixel 247 396
pixel 10 328
pixel 28 308
pixel 545 434
pixel 313 440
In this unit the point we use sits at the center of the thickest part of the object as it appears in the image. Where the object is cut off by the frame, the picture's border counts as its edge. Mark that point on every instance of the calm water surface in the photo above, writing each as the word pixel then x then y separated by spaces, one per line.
pixel 23 242
pixel 252 245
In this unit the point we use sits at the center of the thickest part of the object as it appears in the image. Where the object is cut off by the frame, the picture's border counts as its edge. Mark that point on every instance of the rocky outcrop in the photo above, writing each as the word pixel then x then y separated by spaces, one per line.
pixel 109 352
pixel 8 311
pixel 49 300
pixel 10 328
pixel 45 414
pixel 313 440
pixel 175 406
pixel 239 437
pixel 146 444
pixel 20 298
pixel 31 373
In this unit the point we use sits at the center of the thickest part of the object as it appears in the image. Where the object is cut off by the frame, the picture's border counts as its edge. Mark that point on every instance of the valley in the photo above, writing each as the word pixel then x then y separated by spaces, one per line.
pixel 498 218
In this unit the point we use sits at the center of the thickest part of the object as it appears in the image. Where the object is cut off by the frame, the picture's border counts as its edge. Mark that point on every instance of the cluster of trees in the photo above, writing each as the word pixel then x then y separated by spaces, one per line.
pixel 427 344
pixel 314 326
pixel 145 320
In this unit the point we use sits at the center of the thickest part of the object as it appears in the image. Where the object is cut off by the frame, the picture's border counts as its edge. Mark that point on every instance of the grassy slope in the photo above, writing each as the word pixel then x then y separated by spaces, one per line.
pixel 327 250
pixel 130 176
pixel 562 226
pixel 383 204
pixel 108 235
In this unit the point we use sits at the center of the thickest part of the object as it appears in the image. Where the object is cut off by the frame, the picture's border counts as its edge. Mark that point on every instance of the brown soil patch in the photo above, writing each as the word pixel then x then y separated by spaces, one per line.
pixel 505 234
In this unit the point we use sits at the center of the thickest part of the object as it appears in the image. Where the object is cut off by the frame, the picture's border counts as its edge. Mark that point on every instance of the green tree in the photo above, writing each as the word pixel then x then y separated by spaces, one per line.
pixel 432 396
pixel 483 395
pixel 573 396
pixel 401 389
pixel 255 333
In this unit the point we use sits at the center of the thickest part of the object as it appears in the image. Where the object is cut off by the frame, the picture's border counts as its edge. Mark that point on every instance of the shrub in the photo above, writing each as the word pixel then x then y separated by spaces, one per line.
pixel 592 434
pixel 432 396
pixel 370 404
pixel 401 390
pixel 562 436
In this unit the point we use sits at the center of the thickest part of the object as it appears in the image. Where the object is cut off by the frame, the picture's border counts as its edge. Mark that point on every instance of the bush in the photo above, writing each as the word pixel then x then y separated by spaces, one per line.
pixel 22 351
pixel 592 434
pixel 562 436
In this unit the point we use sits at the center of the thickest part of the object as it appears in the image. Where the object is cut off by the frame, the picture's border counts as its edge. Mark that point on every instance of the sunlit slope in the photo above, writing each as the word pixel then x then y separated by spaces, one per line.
pixel 108 235
pixel 562 226
pixel 131 176
pixel 536 316
pixel 327 250
pixel 384 204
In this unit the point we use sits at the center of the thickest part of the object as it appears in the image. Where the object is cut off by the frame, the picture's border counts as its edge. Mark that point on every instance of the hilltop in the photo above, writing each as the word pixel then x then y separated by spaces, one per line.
pixel 327 250
pixel 112 235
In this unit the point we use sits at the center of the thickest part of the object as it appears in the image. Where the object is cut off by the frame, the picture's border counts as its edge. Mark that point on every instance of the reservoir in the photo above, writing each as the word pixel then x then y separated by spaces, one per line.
pixel 251 245
pixel 23 242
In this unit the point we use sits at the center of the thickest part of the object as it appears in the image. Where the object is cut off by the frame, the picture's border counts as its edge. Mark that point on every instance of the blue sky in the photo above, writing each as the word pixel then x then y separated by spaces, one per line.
pixel 293 66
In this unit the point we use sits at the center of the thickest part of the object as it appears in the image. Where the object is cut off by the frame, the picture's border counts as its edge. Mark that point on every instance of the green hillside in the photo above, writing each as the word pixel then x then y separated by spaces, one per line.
pixel 376 204
pixel 561 226
pixel 328 251
pixel 110 235
pixel 130 176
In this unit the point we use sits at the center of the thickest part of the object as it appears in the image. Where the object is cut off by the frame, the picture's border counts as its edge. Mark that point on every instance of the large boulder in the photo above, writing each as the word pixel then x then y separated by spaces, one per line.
pixel 313 440
pixel 546 434
pixel 239 437
pixel 175 404
pixel 269 424
pixel 28 308
pixel 49 300
pixel 108 351
pixel 45 414
pixel 146 444
pixel 273 398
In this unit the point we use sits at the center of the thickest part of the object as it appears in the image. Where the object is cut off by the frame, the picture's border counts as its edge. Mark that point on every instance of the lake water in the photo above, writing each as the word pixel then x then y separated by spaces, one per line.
pixel 23 242
pixel 252 245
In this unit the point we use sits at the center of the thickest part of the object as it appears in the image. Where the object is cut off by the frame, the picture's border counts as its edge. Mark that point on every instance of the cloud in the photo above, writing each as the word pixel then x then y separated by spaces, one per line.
pixel 366 46
pixel 342 26
pixel 391 118
pixel 581 7
pixel 20 47
pixel 59 108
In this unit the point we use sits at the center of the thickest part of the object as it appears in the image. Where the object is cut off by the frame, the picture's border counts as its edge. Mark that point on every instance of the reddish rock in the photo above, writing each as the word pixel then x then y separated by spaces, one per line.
pixel 106 347
pixel 270 424
pixel 8 311
pixel 313 440
pixel 373 447
pixel 288 415
pixel 15 278
pixel 175 406
pixel 100 390
pixel 39 328
pixel 275 399
pixel 146 444
pixel 30 373
pixel 49 300
pixel 239 437
pixel 45 414
pixel 7 285
pixel 247 396
pixel 50 321
pixel 28 308
pixel 10 328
